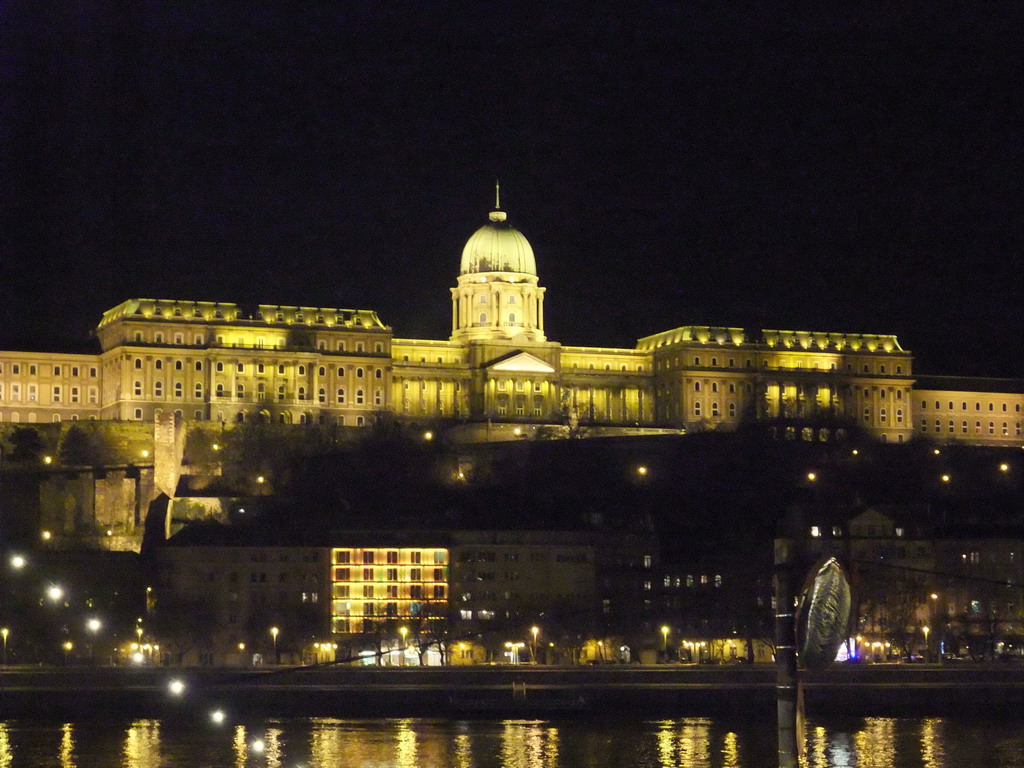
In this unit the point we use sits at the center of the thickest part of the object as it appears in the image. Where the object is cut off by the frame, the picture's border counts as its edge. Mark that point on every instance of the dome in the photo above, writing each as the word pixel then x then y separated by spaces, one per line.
pixel 497 247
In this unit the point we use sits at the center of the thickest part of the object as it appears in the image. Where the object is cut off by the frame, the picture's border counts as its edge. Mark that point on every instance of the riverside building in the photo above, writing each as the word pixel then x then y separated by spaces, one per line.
pixel 222 362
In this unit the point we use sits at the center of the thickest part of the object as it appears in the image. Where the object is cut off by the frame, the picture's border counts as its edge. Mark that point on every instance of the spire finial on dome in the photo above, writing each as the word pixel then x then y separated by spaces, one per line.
pixel 497 214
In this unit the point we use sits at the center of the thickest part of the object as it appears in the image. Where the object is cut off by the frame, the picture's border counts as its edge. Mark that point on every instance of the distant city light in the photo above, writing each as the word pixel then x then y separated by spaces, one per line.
pixel 641 470
pixel 216 446
pixel 217 716
pixel 18 562
pixel 855 452
pixel 811 476
pixel 1004 467
pixel 94 625
pixel 55 593
pixel 176 687
pixel 47 459
pixel 144 453
pixel 46 535
pixel 936 451
pixel 945 478
pixel 258 746
pixel 428 435
pixel 261 479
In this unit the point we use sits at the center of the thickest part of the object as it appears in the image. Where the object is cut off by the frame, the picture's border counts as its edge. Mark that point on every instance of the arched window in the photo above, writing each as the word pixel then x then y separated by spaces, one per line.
pixel 159 365
pixel 512 317
pixel 179 389
pixel 483 318
pixel 341 395
pixel 359 397
pixel 323 371
pixel 378 374
pixel 322 395
pixel 138 362
pixel 302 393
pixel 696 386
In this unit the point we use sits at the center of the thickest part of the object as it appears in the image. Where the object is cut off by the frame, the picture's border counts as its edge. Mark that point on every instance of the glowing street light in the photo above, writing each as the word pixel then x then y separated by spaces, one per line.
pixel 641 470
pixel 926 629
pixel 55 593
pixel 176 687
pixel 217 716
pixel 45 535
pixel 946 478
pixel 18 562
pixel 94 625
pixel 664 640
pixel 144 453
pixel 534 630
pixel 4 633
pixel 261 479
pixel 428 435
pixel 274 631
pixel 1004 467
pixel 403 631
pixel 47 459
pixel 812 476
pixel 68 645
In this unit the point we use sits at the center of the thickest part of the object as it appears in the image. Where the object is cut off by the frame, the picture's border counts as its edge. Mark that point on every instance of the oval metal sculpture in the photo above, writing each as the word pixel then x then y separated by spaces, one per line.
pixel 827 615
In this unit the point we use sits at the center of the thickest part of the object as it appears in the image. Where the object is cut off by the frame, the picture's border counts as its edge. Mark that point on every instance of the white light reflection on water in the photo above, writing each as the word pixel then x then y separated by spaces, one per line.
pixel 67 746
pixel 142 745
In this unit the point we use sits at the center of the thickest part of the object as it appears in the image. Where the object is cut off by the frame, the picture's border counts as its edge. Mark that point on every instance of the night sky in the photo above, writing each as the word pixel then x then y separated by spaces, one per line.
pixel 840 169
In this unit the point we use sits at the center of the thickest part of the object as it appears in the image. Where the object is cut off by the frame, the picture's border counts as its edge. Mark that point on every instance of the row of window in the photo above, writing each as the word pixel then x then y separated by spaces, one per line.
pixel 977 406
pixel 261 368
pixel 33 369
pixel 199 340
pixel 697 361
pixel 221 391
pixel 964 427
pixel 57 392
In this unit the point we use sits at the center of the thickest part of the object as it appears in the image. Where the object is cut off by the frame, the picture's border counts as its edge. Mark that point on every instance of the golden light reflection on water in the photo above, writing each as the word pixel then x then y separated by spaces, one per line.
pixel 817 746
pixel 463 751
pixel 272 747
pixel 326 743
pixel 932 753
pixel 142 745
pixel 406 738
pixel 528 744
pixel 241 746
pixel 875 743
pixel 67 746
pixel 685 743
pixel 6 754
pixel 730 751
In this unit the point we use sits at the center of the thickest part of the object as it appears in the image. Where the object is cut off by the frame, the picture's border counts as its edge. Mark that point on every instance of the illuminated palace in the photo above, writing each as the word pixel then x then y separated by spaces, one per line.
pixel 215 361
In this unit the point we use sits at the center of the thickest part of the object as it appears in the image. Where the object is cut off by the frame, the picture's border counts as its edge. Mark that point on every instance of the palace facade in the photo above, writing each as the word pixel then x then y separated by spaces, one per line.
pixel 215 361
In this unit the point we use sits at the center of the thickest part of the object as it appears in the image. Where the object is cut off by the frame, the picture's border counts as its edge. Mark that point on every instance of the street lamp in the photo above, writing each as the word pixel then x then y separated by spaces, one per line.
pixel 55 593
pixel 4 633
pixel 641 470
pixel 68 645
pixel 664 641
pixel 93 625
pixel 274 631
pixel 18 562
pixel 926 629
pixel 535 630
pixel 403 631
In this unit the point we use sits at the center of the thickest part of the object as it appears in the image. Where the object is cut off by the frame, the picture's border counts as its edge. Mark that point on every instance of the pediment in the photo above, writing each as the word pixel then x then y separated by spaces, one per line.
pixel 521 362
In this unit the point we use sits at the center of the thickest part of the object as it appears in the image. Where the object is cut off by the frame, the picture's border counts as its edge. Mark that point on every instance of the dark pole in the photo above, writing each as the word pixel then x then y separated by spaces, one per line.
pixel 785 652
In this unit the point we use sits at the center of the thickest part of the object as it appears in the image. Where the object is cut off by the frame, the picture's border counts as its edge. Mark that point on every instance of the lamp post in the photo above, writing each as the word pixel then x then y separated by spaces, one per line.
pixel 534 630
pixel 93 625
pixel 926 629
pixel 664 641
pixel 68 645
pixel 4 633
pixel 274 631
pixel 403 631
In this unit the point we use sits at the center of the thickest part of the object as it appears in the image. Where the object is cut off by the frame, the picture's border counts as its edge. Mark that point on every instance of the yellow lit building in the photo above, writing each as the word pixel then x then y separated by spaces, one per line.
pixel 210 361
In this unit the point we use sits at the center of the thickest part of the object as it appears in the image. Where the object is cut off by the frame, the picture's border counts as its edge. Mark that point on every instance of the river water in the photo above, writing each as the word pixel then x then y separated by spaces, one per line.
pixel 445 743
